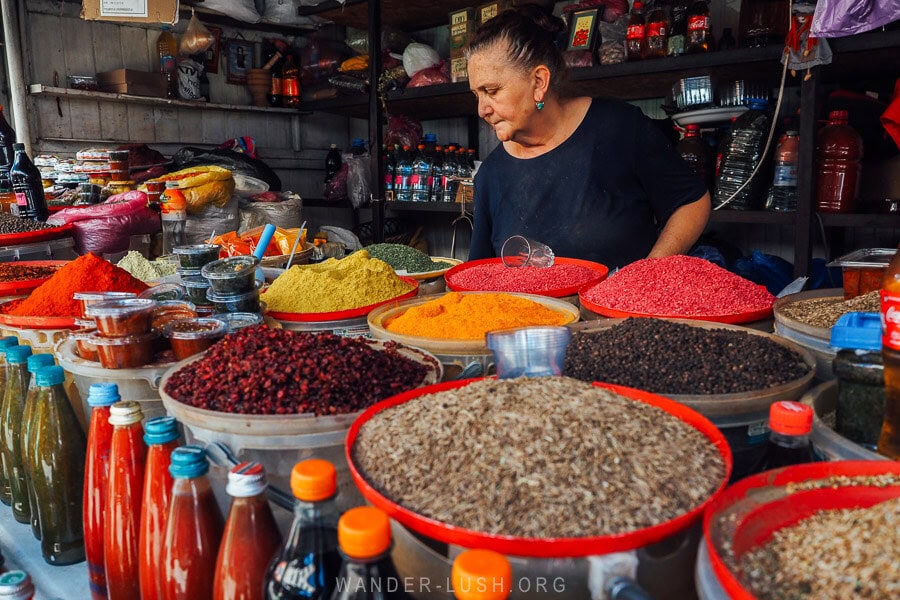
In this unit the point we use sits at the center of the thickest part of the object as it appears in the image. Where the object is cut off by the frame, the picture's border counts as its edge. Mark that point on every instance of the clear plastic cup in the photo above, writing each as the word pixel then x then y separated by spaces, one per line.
pixel 529 351
pixel 195 289
pixel 121 318
pixel 239 320
pixel 192 336
pixel 230 303
pixel 196 256
pixel 233 275
pixel 124 352
pixel 89 298
pixel 520 251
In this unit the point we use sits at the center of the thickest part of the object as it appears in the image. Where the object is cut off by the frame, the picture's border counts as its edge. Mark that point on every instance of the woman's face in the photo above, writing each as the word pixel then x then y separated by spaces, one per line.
pixel 506 93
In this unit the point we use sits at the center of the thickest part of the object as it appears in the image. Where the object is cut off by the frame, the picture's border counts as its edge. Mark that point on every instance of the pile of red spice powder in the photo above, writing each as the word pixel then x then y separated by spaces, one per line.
pixel 679 286
pixel 497 277
pixel 88 273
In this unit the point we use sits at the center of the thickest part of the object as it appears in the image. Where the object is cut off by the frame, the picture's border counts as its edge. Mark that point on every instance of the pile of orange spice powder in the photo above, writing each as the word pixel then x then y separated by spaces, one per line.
pixel 459 316
pixel 88 273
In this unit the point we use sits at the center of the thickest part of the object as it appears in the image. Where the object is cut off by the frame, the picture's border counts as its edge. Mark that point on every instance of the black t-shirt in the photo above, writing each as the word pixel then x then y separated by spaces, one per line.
pixel 601 195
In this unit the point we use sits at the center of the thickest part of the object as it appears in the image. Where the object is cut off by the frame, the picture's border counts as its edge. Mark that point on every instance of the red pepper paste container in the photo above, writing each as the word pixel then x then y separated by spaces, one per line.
pixel 171 310
pixel 89 298
pixel 839 152
pixel 86 347
pixel 120 318
pixel 193 336
pixel 127 352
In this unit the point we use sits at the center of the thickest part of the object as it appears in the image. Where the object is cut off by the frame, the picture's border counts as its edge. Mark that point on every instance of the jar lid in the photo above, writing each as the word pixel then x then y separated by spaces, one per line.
pixel 790 418
pixel 857 331
pixel 120 308
pixel 230 268
pixel 188 462
pixel 16 585
pixel 48 376
pixel 246 480
pixel 103 394
pixel 160 430
pixel 99 340
pixel 313 480
pixel 36 361
pixel 364 532
pixel 18 355
pixel 481 575
pixel 9 341
pixel 195 328
pixel 125 413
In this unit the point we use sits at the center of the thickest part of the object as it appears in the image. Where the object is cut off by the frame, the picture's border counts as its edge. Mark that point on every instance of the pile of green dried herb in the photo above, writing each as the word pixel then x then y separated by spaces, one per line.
pixel 405 258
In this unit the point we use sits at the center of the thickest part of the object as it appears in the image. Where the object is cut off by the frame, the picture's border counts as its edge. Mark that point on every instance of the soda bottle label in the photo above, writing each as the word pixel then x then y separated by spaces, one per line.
pixel 21 199
pixel 388 182
pixel 167 63
pixel 785 176
pixel 890 320
pixel 414 180
pixel 698 23
pixel 173 205
pixel 290 87
pixel 657 29
pixel 635 32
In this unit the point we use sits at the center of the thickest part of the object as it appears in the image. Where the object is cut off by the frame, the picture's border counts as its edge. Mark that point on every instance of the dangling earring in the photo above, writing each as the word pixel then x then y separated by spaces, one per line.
pixel 540 105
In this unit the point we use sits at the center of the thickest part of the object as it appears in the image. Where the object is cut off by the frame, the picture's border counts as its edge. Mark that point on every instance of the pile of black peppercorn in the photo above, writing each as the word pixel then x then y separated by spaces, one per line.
pixel 11 224
pixel 672 358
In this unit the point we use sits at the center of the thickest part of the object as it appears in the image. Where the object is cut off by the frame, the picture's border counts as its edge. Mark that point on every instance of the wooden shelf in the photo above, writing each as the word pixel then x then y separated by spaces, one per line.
pixel 760 217
pixel 38 89
pixel 399 14
pixel 860 221
pixel 432 207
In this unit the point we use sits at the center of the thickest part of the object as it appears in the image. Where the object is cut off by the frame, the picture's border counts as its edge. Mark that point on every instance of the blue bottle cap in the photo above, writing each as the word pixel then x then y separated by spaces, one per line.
pixel 8 342
pixel 18 355
pixel 758 104
pixel 188 462
pixel 47 376
pixel 429 137
pixel 103 394
pixel 160 430
pixel 857 331
pixel 358 142
pixel 36 361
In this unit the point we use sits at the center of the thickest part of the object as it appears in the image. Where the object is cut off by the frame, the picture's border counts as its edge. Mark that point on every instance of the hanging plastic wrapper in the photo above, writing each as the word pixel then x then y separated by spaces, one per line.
pixel 197 39
pixel 839 18
pixel 189 79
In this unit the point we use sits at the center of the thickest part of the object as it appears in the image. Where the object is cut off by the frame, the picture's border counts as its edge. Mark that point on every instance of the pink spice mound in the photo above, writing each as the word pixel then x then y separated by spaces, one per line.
pixel 496 277
pixel 679 286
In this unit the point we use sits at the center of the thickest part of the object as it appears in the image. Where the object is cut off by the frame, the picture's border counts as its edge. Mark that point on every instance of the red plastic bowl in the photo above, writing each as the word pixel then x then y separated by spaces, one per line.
pixel 340 315
pixel 757 509
pixel 540 547
pixel 31 237
pixel 23 286
pixel 601 270
pixel 29 322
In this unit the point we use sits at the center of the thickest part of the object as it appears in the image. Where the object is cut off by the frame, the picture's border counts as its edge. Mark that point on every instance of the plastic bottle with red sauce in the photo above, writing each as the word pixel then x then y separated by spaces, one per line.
pixel 193 530
pixel 889 440
pixel 96 479
pixel 251 537
pixel 161 437
pixel 839 153
pixel 127 458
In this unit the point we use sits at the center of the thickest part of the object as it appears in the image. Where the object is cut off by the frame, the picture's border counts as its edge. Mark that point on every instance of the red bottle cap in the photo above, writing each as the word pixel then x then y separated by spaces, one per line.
pixel 790 418
pixel 839 116
pixel 638 5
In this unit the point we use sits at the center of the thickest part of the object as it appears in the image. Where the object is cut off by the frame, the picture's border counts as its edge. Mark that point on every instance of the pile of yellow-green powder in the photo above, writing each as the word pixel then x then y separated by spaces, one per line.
pixel 334 285
pixel 146 270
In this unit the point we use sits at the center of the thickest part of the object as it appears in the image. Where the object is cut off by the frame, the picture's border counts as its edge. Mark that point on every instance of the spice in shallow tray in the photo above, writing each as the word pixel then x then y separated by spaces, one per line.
pixel 541 457
pixel 825 312
pixel 457 316
pixel 496 277
pixel 673 358
pixel 679 286
pixel 334 285
pixel 258 370
pixel 405 258
pixel 10 224
pixel 17 272
pixel 88 273
pixel 835 554
pixel 146 270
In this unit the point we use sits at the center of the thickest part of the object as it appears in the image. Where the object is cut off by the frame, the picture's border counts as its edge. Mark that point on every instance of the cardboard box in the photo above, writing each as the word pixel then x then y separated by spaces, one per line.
pixel 131 11
pixel 137 83
pixel 459 69
pixel 462 26
pixel 488 11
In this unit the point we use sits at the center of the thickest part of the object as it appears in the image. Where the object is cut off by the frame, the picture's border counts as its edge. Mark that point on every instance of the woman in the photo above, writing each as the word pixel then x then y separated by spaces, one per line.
pixel 593 179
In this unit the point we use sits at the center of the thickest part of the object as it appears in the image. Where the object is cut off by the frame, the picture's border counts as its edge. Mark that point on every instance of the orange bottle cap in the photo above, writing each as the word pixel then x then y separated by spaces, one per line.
pixel 364 532
pixel 313 480
pixel 481 575
pixel 790 418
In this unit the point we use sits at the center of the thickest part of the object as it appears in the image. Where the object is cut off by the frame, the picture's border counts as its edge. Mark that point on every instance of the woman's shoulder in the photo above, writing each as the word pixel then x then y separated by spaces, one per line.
pixel 613 109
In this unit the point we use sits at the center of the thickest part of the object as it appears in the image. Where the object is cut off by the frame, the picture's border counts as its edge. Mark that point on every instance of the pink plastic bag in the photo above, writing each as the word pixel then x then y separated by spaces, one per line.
pixel 108 227
pixel 439 73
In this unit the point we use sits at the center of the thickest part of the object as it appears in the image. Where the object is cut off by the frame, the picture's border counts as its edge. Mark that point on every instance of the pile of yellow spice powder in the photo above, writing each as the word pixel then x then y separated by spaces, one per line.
pixel 334 285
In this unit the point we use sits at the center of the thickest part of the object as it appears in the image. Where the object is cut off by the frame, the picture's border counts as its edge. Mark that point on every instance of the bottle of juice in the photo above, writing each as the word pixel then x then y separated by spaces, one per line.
pixel 35 362
pixel 11 429
pixel 167 50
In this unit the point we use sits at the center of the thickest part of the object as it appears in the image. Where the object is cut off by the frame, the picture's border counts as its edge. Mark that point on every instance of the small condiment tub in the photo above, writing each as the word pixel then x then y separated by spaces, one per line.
pixel 127 352
pixel 863 270
pixel 121 318
pixel 163 292
pixel 239 320
pixel 192 336
pixel 195 289
pixel 89 298
pixel 196 256
pixel 232 275
pixel 171 310
pixel 229 302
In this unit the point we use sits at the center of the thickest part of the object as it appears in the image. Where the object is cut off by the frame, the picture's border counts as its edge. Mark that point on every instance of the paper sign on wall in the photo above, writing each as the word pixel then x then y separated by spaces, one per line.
pixel 132 11
pixel 123 8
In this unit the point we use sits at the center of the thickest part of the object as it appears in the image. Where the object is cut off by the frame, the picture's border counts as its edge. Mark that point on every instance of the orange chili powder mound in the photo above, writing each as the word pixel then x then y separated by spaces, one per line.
pixel 88 273
pixel 458 316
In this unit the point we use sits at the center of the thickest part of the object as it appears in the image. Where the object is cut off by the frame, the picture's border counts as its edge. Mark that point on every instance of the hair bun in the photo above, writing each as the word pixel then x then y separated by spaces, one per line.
pixel 542 18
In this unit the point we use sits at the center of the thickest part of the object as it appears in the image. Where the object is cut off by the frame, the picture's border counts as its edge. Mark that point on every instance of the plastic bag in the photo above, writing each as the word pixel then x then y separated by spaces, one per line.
pixel 284 12
pixel 402 130
pixel 201 225
pixel 839 18
pixel 203 186
pixel 234 244
pixel 242 10
pixel 244 144
pixel 612 41
pixel 336 188
pixel 419 56
pixel 248 186
pixel 196 39
pixel 358 176
pixel 319 59
pixel 281 214
pixel 431 76
pixel 107 228
pixel 357 63
pixel 393 39
pixel 236 162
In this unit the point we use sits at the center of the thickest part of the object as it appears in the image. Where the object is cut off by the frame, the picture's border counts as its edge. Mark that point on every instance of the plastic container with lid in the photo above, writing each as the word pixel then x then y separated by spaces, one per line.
pixel 164 292
pixel 839 153
pixel 195 289
pixel 193 336
pixel 529 351
pixel 232 275
pixel 196 256
pixel 121 318
pixel 16 585
pixel 860 373
pixel 239 320
pixel 228 302
pixel 127 352
pixel 863 270
pixel 171 310
pixel 89 298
